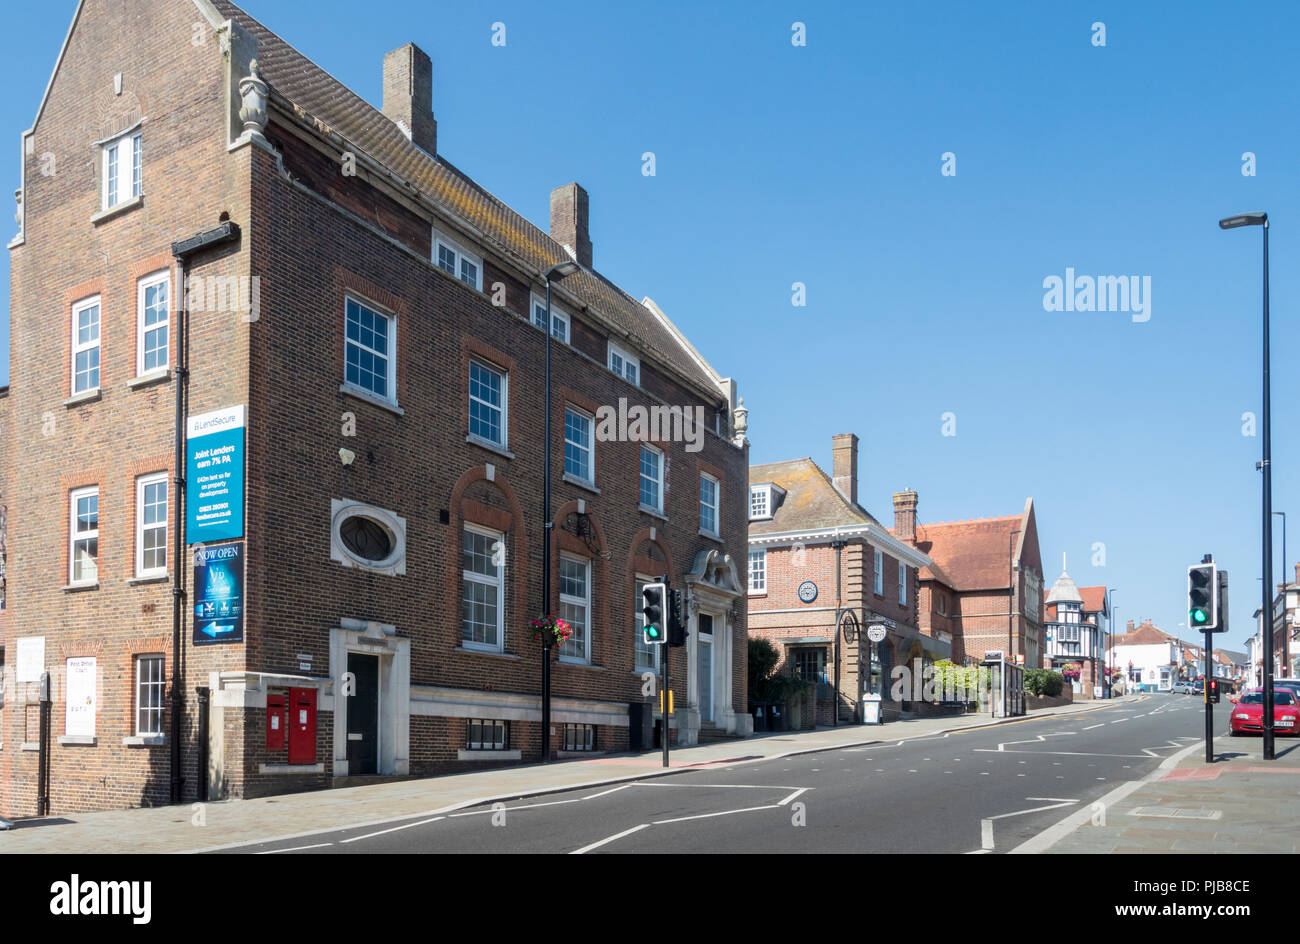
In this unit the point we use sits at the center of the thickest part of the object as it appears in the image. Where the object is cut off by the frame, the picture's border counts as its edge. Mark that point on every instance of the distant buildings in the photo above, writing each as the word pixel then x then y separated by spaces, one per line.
pixel 1075 626
pixel 1148 657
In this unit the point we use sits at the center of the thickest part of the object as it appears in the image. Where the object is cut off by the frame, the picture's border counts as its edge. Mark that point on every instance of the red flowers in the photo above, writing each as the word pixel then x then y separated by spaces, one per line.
pixel 557 629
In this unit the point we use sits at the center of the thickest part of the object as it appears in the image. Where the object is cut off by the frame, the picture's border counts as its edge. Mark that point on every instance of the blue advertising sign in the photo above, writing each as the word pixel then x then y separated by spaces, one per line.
pixel 214 476
pixel 219 594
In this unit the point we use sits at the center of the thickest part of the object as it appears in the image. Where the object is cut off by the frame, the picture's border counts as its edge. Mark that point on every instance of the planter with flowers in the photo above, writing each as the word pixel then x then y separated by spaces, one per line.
pixel 551 631
pixel 1071 671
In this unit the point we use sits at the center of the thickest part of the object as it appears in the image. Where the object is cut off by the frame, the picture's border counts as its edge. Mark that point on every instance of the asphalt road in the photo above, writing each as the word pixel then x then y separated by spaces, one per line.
pixel 981 790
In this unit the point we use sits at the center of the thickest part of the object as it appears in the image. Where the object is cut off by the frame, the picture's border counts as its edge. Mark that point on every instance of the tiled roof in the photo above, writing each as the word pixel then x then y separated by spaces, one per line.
pixel 811 502
pixel 969 555
pixel 1094 599
pixel 1145 635
pixel 300 81
pixel 1065 590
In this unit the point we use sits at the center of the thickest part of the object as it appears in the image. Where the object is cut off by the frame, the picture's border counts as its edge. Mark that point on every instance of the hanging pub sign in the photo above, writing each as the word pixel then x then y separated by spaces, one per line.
pixel 214 476
pixel 218 594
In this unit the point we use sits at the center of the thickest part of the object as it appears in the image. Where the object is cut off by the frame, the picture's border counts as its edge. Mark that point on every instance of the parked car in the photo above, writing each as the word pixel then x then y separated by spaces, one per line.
pixel 1182 688
pixel 1248 713
pixel 1293 685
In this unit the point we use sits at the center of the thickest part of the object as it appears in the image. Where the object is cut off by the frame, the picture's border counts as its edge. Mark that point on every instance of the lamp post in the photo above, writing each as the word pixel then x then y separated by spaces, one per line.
pixel 1286 631
pixel 1110 634
pixel 553 274
pixel 1266 466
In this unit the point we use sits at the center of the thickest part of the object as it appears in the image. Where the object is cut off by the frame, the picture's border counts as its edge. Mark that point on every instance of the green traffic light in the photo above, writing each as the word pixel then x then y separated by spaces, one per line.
pixel 1199 616
pixel 652 632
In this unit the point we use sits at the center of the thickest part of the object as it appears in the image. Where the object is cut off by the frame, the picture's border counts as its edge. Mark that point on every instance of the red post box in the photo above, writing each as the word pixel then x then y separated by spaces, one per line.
pixel 302 725
pixel 277 720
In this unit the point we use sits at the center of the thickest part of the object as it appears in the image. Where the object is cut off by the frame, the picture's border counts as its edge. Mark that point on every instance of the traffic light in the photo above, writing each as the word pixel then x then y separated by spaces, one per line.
pixel 676 624
pixel 1213 690
pixel 654 609
pixel 1203 597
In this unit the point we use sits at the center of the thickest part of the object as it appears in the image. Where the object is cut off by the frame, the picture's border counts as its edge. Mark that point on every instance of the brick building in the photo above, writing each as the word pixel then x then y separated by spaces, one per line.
pixel 983 589
pixel 376 320
pixel 799 578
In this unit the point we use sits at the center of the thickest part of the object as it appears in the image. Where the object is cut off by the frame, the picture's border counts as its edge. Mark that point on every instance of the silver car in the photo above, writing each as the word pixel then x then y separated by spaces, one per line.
pixel 1183 688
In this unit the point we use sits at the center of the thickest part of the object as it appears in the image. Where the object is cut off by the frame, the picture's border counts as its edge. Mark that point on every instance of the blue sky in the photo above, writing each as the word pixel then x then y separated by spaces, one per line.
pixel 821 164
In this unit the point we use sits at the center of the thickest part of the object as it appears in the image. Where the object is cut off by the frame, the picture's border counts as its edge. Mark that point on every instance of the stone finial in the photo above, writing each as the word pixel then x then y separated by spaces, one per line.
pixel 18 215
pixel 741 418
pixel 253 95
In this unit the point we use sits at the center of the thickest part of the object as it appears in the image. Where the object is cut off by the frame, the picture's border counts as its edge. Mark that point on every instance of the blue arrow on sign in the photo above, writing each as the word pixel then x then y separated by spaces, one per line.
pixel 212 629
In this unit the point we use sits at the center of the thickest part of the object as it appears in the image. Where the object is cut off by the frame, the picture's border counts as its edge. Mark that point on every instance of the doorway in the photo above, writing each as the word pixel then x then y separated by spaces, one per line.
pixel 363 714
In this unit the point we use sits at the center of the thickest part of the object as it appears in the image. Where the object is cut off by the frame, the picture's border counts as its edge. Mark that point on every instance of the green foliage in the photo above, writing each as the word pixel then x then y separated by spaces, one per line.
pixel 1044 682
pixel 764 684
pixel 956 682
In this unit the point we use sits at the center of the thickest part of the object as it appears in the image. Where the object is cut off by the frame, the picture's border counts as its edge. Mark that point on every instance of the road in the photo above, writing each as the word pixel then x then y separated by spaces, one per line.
pixel 984 790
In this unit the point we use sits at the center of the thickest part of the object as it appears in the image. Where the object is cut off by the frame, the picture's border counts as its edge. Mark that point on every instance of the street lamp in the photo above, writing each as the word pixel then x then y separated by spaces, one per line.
pixel 1286 632
pixel 1266 465
pixel 1110 634
pixel 553 274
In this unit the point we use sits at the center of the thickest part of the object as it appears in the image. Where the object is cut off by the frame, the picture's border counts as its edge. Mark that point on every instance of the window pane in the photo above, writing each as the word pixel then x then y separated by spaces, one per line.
pixel 446 259
pixel 366 357
pixel 485 413
pixel 577 445
pixel 650 477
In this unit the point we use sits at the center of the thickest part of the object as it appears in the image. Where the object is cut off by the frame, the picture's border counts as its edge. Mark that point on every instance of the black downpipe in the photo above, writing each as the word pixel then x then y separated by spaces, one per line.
pixel 182 251
pixel 202 693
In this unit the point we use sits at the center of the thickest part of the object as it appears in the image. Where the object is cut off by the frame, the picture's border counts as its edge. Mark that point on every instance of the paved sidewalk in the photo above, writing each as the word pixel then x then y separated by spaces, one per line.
pixel 1241 803
pixel 197 827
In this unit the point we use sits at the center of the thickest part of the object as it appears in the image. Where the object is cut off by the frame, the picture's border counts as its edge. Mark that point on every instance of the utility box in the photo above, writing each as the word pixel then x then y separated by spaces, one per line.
pixel 871 709
pixel 302 725
pixel 640 726
pixel 277 722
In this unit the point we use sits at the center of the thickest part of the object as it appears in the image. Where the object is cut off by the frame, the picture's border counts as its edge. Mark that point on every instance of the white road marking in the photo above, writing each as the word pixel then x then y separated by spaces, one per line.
pixel 793 795
pixel 609 839
pixel 533 806
pixel 318 845
pixel 423 822
pixel 1097 725
pixel 718 786
pixel 683 819
pixel 986 824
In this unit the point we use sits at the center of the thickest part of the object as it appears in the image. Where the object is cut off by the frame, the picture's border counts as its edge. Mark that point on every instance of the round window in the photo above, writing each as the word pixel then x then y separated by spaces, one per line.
pixel 366 538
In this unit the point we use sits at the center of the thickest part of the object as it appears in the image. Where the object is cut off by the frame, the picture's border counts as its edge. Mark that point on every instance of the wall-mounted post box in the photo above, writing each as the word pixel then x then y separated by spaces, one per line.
pixel 277 721
pixel 302 725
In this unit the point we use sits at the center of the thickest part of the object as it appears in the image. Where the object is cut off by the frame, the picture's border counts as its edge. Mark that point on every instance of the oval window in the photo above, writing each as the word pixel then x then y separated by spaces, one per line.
pixel 366 538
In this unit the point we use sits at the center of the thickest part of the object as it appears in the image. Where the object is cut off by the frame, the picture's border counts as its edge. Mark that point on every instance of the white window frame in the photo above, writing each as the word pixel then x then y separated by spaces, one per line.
pixel 639 646
pixel 128 175
pixel 441 240
pixel 503 442
pixel 159 683
pixel 618 354
pixel 878 571
pixel 499 583
pixel 390 357
pixel 658 507
pixel 760 495
pixel 78 348
pixel 141 484
pixel 74 536
pixel 716 530
pixel 557 315
pixel 584 602
pixel 142 286
pixel 758 586
pixel 902 584
pixel 589 479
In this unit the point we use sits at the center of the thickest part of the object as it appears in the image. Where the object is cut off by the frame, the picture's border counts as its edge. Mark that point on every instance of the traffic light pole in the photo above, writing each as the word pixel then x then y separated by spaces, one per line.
pixel 663 696
pixel 1209 705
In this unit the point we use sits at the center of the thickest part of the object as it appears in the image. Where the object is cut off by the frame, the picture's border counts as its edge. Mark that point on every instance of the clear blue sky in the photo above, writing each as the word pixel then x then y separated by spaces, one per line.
pixel 821 165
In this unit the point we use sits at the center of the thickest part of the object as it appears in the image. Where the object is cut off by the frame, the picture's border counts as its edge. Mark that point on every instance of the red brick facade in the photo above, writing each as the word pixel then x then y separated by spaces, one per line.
pixel 312 235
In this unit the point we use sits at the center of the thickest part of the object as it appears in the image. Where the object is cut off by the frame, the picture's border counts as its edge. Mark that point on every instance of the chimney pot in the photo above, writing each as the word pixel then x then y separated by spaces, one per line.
pixel 408 95
pixel 905 515
pixel 569 219
pixel 844 452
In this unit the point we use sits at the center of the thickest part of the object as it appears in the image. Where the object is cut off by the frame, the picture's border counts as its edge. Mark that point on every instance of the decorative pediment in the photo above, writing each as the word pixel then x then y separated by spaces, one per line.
pixel 715 571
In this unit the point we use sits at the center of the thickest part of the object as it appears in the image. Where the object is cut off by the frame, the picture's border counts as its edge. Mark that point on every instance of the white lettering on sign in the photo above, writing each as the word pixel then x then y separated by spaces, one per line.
pixel 302 716
pixel 275 722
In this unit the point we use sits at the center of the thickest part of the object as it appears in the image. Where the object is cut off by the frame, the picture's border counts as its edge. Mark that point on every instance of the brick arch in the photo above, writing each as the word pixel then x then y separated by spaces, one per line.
pixel 601 590
pixel 461 510
pixel 645 564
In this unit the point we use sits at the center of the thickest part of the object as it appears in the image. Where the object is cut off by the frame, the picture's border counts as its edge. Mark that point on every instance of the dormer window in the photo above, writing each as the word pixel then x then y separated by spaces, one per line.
pixel 455 261
pixel 760 502
pixel 624 364
pixel 559 320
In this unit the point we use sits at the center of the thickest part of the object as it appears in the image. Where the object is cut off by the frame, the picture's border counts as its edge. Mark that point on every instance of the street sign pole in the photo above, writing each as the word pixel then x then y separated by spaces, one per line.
pixel 1209 706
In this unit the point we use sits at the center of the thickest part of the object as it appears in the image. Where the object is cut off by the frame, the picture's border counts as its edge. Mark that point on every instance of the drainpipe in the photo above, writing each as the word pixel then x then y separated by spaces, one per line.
pixel 183 251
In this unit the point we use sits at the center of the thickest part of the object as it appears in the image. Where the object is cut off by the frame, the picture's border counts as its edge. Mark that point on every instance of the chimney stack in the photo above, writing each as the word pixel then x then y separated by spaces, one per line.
pixel 408 95
pixel 1130 627
pixel 844 450
pixel 569 222
pixel 905 515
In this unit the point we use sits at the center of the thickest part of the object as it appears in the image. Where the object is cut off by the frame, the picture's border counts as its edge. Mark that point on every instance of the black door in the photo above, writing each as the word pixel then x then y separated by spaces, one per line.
pixel 363 715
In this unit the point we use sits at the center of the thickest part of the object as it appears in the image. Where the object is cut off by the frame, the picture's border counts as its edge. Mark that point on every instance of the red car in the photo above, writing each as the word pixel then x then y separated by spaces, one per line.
pixel 1248 713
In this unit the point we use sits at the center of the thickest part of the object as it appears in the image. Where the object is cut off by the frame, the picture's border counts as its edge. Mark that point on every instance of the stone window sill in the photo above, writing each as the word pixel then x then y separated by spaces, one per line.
pixel 145 740
pixel 78 740
pixel 717 538
pixel 155 578
pixel 566 660
pixel 78 587
pixel 489 446
pixel 653 512
pixel 29 746
pixel 86 396
pixel 363 394
pixel 581 483
pixel 125 207
pixel 149 379
pixel 486 652
pixel 489 755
